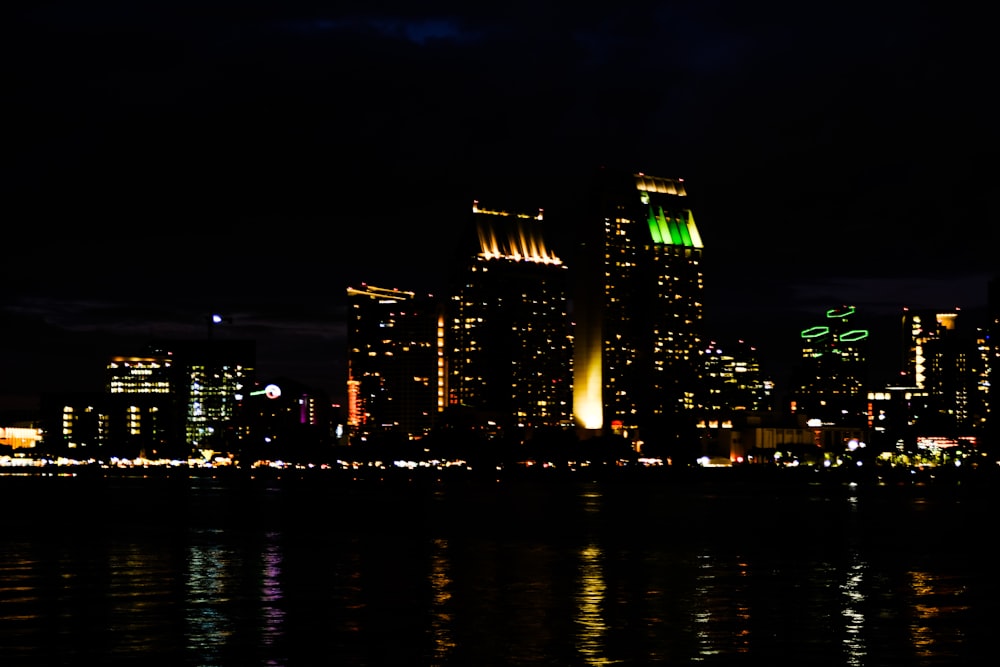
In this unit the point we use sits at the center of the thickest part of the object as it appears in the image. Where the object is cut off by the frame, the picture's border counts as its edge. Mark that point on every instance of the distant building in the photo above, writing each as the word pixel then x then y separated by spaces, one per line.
pixel 168 399
pixel 19 437
pixel 143 393
pixel 75 423
pixel 214 377
pixel 831 378
pixel 285 420
pixel 638 307
pixel 395 362
pixel 508 334
pixel 949 363
pixel 732 379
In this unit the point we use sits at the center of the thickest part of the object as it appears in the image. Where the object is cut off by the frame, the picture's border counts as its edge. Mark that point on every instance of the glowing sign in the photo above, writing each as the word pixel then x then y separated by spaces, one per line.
pixel 840 312
pixel 272 391
pixel 815 332
pixel 853 335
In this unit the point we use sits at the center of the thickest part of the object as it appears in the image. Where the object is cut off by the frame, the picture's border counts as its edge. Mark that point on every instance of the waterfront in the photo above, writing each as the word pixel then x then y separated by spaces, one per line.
pixel 413 569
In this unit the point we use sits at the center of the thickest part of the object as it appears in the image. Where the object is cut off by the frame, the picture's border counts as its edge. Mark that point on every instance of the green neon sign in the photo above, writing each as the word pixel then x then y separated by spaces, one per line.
pixel 853 335
pixel 815 332
pixel 838 312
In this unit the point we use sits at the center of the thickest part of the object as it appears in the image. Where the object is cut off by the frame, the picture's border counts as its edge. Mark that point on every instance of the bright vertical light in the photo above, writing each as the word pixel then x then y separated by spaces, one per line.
pixel 587 380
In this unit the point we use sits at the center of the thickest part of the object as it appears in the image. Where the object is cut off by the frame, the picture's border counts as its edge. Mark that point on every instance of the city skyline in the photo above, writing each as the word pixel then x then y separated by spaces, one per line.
pixel 256 163
pixel 52 355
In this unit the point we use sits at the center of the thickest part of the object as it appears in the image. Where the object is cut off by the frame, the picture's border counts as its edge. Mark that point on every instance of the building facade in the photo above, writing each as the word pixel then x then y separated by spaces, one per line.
pixel 732 379
pixel 508 339
pixel 143 405
pixel 948 361
pixel 832 376
pixel 638 307
pixel 395 362
pixel 164 400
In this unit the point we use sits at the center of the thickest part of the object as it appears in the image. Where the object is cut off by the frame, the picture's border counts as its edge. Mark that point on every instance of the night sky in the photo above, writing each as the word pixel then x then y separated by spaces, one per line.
pixel 168 159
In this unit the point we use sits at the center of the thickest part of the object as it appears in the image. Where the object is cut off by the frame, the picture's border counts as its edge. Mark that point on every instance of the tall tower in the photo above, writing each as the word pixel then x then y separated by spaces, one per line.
pixel 395 366
pixel 638 309
pixel 950 363
pixel 509 345
pixel 832 373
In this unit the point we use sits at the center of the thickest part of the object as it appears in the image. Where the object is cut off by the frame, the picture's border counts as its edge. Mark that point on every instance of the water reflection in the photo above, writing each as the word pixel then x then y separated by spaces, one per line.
pixel 139 596
pixel 441 617
pixel 587 575
pixel 591 626
pixel 853 600
pixel 938 611
pixel 271 594
pixel 590 623
pixel 720 611
pixel 208 576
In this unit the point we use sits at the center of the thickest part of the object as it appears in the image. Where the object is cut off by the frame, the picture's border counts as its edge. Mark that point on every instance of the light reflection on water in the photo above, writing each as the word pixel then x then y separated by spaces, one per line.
pixel 574 574
pixel 441 616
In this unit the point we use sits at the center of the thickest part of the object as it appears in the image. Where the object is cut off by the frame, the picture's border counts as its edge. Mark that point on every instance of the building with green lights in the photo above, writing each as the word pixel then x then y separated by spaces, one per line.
pixel 832 375
pixel 637 308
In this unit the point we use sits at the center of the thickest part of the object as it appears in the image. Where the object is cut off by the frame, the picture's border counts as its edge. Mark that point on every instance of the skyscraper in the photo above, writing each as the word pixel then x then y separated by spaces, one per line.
pixel 638 307
pixel 832 375
pixel 732 379
pixel 950 363
pixel 215 377
pixel 395 362
pixel 509 346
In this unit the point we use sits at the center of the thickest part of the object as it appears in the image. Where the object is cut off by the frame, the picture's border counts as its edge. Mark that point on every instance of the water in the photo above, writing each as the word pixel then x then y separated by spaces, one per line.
pixel 474 571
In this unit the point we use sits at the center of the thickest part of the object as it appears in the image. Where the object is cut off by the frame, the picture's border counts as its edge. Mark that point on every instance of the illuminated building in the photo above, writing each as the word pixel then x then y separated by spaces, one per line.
pixel 638 309
pixel 732 379
pixel 213 379
pixel 142 404
pixel 19 437
pixel 831 379
pixel 509 347
pixel 950 365
pixel 168 400
pixel 920 329
pixel 395 367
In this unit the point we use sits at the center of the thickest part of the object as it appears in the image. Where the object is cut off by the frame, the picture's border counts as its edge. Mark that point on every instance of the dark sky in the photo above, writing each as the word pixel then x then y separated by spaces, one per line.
pixel 170 158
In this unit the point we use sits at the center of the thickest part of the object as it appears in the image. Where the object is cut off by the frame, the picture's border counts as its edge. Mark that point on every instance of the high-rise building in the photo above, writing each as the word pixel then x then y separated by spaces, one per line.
pixel 142 400
pixel 732 379
pixel 395 362
pixel 950 365
pixel 920 329
pixel 638 307
pixel 509 345
pixel 214 378
pixel 831 379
